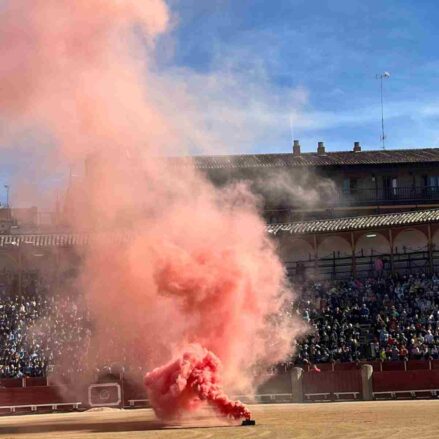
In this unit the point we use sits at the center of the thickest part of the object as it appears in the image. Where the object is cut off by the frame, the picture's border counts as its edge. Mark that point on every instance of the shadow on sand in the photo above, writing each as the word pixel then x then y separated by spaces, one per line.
pixel 106 426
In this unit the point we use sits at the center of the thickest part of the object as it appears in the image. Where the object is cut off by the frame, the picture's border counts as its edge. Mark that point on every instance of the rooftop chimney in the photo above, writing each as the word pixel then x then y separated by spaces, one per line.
pixel 321 148
pixel 296 148
pixel 357 147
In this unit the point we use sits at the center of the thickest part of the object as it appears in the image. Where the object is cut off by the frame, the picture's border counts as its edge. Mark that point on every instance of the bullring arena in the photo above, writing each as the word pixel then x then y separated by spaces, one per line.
pixel 169 269
pixel 360 420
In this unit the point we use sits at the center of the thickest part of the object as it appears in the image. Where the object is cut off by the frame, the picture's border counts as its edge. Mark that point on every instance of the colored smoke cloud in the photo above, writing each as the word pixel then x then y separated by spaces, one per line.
pixel 183 385
pixel 194 265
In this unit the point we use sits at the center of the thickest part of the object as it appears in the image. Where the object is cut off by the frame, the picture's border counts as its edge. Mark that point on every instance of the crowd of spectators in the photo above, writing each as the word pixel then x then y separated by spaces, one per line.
pixel 395 318
pixel 388 319
pixel 36 326
pixel 43 330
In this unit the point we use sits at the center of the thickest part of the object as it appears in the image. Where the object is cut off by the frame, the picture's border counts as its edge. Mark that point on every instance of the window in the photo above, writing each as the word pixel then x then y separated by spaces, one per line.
pixel 390 186
pixel 431 184
pixel 350 185
pixel 433 181
pixel 394 185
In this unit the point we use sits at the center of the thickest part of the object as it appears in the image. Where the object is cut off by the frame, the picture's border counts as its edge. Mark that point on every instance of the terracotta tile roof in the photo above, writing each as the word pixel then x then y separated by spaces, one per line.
pixel 357 223
pixel 58 239
pixel 426 155
pixel 43 240
pixel 297 228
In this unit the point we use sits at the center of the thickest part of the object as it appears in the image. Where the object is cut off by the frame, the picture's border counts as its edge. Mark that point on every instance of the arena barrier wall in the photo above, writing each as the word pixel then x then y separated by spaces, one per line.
pixel 333 382
pixel 16 396
pixel 275 384
pixel 37 381
pixel 418 365
pixel 332 385
pixel 410 380
pixel 11 382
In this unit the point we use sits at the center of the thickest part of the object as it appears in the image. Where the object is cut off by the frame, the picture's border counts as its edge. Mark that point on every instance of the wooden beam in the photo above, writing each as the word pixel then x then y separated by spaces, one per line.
pixel 20 271
pixel 391 250
pixel 315 253
pixel 430 249
pixel 354 262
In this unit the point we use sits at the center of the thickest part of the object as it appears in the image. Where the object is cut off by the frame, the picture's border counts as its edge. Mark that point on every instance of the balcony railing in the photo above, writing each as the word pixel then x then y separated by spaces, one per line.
pixel 398 195
pixel 359 197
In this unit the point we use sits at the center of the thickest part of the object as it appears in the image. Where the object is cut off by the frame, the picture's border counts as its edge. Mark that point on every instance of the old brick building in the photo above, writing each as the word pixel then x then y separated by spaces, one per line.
pixel 332 214
pixel 337 214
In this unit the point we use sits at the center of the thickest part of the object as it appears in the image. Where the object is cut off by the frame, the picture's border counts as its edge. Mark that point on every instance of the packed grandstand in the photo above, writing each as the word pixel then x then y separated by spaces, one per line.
pixel 381 318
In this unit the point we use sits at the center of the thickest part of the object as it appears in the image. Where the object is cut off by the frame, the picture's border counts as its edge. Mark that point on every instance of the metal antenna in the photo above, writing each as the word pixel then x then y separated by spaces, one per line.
pixel 382 76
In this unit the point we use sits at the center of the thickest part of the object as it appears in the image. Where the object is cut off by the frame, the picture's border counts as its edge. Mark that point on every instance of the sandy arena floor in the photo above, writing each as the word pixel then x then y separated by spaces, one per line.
pixel 358 420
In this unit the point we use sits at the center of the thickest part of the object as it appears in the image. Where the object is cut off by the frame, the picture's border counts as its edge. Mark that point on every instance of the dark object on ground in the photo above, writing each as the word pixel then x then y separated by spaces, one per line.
pixel 248 422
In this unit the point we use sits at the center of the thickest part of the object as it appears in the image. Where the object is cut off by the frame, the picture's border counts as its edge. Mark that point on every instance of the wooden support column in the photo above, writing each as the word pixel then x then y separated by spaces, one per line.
pixel 391 251
pixel 354 261
pixel 430 249
pixel 315 254
pixel 56 277
pixel 20 270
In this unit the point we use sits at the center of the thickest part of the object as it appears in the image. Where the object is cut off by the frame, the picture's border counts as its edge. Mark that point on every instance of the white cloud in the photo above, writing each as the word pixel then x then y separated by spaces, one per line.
pixel 227 109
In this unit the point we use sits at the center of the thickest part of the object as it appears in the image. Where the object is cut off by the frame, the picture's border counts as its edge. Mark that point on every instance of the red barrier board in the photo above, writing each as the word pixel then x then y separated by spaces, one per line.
pixel 410 380
pixel 324 367
pixel 10 382
pixel 30 395
pixel 35 382
pixel 330 382
pixel 418 365
pixel 393 366
pixel 435 364
pixel 376 365
pixel 346 366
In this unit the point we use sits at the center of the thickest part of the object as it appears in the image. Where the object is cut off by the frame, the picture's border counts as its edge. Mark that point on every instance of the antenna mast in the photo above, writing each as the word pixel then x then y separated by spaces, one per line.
pixel 382 76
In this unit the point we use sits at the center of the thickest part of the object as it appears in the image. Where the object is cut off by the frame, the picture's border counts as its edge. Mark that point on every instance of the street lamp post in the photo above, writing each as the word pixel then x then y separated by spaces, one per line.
pixel 382 76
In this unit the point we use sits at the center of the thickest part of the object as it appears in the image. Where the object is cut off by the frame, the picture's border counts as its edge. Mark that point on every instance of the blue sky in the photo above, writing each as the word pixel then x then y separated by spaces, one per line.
pixel 327 51
pixel 260 72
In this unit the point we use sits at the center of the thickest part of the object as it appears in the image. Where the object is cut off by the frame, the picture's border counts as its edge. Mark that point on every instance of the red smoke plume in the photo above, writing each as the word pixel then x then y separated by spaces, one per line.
pixel 182 386
pixel 194 264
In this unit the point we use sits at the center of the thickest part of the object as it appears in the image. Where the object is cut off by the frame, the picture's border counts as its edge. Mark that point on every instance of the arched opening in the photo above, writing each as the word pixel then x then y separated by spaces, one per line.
pixel 298 256
pixel 409 241
pixel 372 253
pixel 372 244
pixel 435 239
pixel 295 249
pixel 335 257
pixel 9 272
pixel 410 248
pixel 435 245
pixel 334 245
